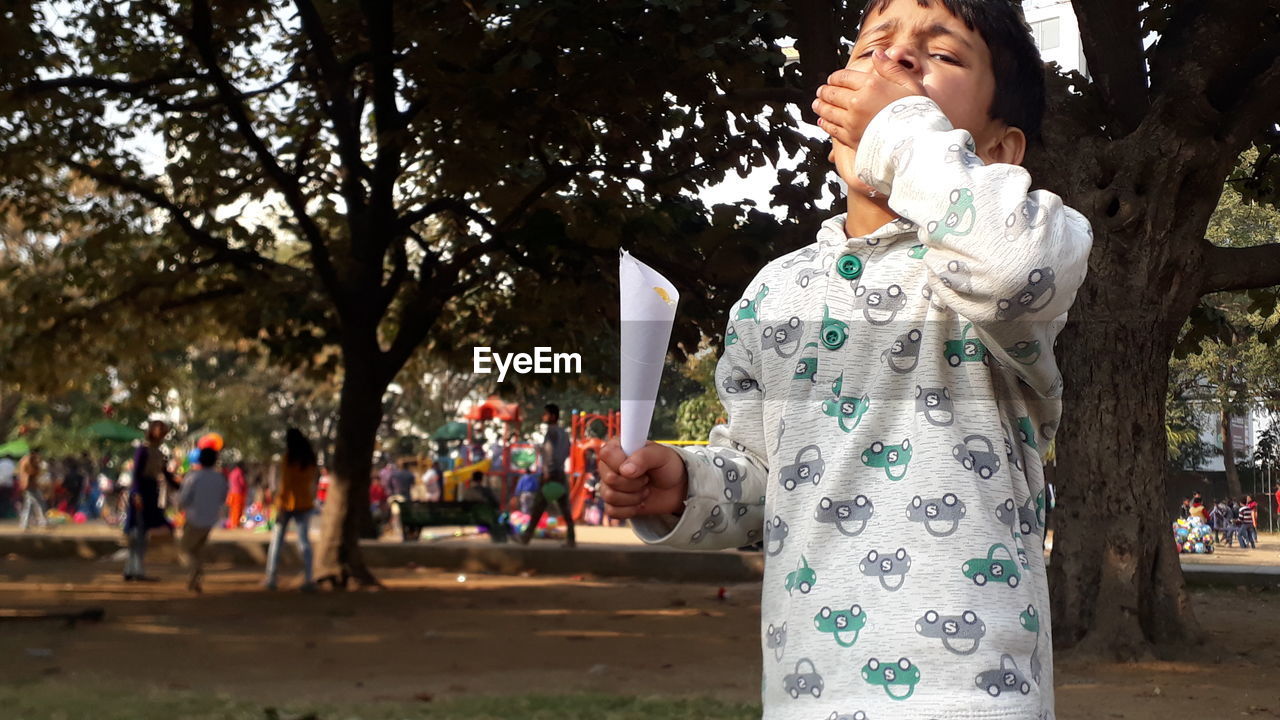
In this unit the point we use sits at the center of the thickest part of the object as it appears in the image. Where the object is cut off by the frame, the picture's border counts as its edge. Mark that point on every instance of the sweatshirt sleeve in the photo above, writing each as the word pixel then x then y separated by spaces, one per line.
pixel 727 477
pixel 1005 258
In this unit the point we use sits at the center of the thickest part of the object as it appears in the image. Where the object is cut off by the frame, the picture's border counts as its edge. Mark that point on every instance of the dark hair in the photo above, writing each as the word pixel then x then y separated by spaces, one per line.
pixel 477 476
pixel 297 449
pixel 554 409
pixel 208 457
pixel 1020 91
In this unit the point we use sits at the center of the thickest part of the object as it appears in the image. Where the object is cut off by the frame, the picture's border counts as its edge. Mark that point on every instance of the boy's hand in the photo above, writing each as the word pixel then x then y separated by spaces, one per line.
pixel 651 481
pixel 846 105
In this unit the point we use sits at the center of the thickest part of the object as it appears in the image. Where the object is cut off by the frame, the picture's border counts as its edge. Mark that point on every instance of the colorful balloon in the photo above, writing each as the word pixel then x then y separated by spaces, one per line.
pixel 213 441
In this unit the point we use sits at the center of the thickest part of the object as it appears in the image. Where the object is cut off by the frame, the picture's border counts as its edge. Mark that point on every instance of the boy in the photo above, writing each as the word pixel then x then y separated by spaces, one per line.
pixel 30 469
pixel 889 391
pixel 201 498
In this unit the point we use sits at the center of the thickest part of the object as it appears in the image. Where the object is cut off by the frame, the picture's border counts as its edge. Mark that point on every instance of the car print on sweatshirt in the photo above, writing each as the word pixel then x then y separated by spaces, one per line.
pixel 1006 678
pixel 940 516
pixel 806 470
pixel 898 679
pixel 803 578
pixel 993 569
pixel 892 458
pixel 849 516
pixel 977 454
pixel 960 634
pixel 904 355
pixel 805 680
pixel 843 625
pixel 891 569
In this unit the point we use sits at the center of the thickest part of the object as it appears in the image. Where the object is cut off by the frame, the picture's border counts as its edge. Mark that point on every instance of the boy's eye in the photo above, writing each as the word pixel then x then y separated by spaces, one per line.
pixel 945 58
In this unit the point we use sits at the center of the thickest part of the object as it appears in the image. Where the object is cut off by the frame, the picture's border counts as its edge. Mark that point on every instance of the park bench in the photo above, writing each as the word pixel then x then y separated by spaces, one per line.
pixel 415 515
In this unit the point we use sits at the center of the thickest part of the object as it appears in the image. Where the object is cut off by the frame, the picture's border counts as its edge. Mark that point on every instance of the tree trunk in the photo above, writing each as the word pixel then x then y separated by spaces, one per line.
pixel 1115 581
pixel 1116 584
pixel 346 511
pixel 1229 456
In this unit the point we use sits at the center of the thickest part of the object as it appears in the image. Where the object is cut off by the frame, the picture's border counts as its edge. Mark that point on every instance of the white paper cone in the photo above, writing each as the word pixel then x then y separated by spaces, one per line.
pixel 648 304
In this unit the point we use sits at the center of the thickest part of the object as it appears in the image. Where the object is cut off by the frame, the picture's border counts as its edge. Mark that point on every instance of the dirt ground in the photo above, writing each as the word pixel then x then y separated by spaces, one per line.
pixel 434 634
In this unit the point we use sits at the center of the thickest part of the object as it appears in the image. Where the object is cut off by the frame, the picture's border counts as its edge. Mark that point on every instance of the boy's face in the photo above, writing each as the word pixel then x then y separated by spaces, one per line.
pixel 952 62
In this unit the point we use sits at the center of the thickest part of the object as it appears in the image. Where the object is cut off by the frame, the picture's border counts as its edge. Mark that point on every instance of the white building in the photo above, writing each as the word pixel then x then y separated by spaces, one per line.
pixel 1057 33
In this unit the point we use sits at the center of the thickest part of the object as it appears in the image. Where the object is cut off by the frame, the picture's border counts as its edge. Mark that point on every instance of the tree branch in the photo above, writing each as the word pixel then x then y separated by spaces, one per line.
pixel 139 89
pixel 237 257
pixel 1259 108
pixel 167 280
pixel 555 176
pixel 201 298
pixel 413 329
pixel 202 37
pixel 399 271
pixel 1112 36
pixel 439 205
pixel 390 138
pixel 1207 83
pixel 338 105
pixel 1241 268
pixel 136 89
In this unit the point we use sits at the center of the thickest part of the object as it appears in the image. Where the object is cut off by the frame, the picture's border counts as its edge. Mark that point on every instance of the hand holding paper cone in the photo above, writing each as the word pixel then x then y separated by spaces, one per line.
pixel 650 481
pixel 648 305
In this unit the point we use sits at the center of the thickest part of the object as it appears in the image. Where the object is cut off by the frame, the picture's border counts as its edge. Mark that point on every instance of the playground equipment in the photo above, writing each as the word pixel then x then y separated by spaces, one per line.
pixel 455 480
pixel 583 451
pixel 511 458
pixel 510 416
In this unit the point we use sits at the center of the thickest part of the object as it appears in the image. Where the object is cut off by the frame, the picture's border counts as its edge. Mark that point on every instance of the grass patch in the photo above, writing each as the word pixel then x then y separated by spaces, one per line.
pixel 47 701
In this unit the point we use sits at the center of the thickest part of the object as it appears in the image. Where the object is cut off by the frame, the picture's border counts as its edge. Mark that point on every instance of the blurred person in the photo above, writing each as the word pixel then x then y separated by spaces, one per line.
pixel 294 502
pixel 1197 509
pixel 238 490
pixel 8 483
pixel 73 485
pixel 202 496
pixel 527 487
pixel 144 513
pixel 30 470
pixel 554 451
pixel 477 491
pixel 378 506
pixel 384 476
pixel 322 487
pixel 1248 530
pixel 1252 527
pixel 1220 521
pixel 402 481
pixel 434 482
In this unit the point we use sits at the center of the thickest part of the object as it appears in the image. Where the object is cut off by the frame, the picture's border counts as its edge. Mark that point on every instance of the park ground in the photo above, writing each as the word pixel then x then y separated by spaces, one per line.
pixel 438 645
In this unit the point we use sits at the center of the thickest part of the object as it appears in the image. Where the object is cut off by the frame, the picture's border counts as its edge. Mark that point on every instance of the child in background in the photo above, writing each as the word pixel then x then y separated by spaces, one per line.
pixel 201 498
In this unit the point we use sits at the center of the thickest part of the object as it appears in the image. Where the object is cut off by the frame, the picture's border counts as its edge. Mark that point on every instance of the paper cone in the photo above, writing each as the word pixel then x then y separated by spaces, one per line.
pixel 648 304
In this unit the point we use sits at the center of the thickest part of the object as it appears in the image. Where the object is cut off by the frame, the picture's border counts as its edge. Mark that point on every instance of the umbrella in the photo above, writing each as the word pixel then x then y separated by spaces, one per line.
pixel 112 430
pixel 450 431
pixel 17 448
